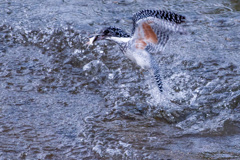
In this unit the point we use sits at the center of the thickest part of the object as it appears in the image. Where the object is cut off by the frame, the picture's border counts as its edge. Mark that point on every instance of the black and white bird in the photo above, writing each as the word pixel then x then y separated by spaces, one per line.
pixel 150 33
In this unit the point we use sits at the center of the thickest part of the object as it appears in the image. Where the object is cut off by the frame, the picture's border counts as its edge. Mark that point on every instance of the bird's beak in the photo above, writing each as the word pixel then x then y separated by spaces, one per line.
pixel 94 39
pixel 91 40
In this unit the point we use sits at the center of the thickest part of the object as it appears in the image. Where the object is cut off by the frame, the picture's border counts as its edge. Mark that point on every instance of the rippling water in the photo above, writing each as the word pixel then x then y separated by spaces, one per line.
pixel 62 100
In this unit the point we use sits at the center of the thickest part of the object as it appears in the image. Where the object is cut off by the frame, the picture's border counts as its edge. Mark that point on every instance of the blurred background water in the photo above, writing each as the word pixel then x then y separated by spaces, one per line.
pixel 62 100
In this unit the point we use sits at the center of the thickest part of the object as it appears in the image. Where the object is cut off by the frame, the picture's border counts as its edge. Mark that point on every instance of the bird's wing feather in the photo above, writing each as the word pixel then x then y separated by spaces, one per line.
pixel 156 73
pixel 159 14
pixel 152 33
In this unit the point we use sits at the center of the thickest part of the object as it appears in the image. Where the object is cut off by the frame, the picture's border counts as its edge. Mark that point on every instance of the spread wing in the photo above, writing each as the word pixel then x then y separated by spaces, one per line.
pixel 151 31
pixel 152 28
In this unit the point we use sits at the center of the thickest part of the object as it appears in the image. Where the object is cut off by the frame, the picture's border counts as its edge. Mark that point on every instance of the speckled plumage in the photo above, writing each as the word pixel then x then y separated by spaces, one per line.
pixel 160 14
pixel 115 32
pixel 150 33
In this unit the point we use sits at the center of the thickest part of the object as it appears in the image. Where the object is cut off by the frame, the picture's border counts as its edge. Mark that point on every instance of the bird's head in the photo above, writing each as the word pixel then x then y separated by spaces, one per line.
pixel 108 34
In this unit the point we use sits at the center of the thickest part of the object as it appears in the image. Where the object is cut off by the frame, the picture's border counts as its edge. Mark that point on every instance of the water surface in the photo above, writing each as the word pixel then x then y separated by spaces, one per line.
pixel 62 100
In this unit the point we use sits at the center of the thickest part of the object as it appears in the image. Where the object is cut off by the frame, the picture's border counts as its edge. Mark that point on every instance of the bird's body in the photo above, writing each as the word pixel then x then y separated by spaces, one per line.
pixel 150 33
pixel 140 57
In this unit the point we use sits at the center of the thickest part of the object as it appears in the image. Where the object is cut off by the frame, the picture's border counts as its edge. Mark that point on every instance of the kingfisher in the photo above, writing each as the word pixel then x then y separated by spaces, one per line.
pixel 150 33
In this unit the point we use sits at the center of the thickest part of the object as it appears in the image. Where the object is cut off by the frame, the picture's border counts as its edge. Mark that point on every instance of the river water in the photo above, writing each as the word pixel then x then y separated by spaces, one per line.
pixel 62 100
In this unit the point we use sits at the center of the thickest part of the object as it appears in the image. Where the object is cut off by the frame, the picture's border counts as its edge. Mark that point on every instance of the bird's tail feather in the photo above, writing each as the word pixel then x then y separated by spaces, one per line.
pixel 156 72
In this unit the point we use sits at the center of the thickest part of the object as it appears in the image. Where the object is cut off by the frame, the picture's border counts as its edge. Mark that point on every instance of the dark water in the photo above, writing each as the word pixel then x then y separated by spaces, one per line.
pixel 62 100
